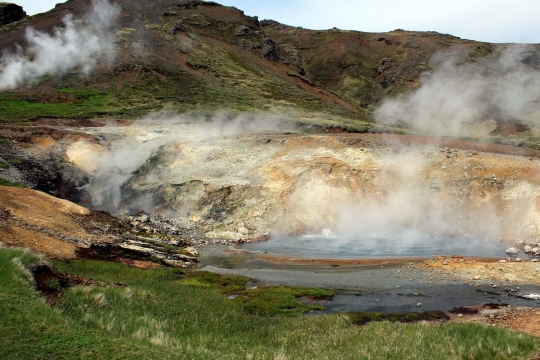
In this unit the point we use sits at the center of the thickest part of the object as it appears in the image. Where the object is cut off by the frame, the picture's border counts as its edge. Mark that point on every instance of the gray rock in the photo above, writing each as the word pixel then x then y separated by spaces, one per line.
pixel 512 251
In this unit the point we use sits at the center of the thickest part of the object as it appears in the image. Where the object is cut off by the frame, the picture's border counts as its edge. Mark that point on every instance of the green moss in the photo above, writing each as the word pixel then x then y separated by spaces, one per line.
pixel 79 103
pixel 282 300
pixel 226 284
pixel 5 182
pixel 4 165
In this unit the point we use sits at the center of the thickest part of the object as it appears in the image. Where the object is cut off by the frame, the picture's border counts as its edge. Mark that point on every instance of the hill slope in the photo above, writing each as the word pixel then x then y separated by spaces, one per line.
pixel 200 56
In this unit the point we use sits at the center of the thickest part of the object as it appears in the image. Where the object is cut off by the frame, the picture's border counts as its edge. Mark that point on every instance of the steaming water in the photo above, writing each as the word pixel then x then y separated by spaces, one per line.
pixel 330 246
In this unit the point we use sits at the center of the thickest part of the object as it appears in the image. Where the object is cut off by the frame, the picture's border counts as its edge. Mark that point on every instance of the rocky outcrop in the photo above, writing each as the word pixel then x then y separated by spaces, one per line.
pixel 10 13
pixel 62 230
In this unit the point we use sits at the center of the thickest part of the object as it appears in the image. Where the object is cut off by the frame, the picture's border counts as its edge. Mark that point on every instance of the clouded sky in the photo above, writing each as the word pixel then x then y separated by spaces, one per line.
pixel 483 20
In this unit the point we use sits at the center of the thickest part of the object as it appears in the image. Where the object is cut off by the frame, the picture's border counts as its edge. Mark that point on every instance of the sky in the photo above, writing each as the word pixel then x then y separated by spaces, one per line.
pixel 497 21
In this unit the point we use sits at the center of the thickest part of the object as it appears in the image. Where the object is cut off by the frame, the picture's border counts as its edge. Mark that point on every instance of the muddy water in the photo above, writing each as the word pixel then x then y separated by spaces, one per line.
pixel 385 285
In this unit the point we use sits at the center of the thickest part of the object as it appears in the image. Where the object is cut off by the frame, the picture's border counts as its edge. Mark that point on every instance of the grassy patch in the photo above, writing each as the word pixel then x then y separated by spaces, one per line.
pixel 154 314
pixel 15 161
pixel 4 165
pixel 264 300
pixel 227 284
pixel 5 182
pixel 70 103
pixel 282 300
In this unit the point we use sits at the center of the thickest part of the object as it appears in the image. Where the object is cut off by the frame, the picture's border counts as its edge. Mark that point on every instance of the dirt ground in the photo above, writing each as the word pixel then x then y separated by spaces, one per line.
pixel 43 223
pixel 495 273
pixel 492 271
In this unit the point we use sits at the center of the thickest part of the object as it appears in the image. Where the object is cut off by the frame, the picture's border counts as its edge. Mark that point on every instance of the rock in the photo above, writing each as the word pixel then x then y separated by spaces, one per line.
pixel 527 249
pixel 10 13
pixel 476 278
pixel 242 30
pixel 459 315
pixel 269 50
pixel 512 251
pixel 503 261
pixel 419 304
pixel 156 251
pixel 192 251
pixel 179 26
pixel 243 231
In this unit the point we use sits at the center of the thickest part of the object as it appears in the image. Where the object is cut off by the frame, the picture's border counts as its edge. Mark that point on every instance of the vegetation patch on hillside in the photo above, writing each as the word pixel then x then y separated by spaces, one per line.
pixel 4 182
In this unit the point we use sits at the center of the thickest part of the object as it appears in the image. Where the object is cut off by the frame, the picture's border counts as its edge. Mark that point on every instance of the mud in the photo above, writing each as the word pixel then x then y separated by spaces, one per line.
pixel 52 283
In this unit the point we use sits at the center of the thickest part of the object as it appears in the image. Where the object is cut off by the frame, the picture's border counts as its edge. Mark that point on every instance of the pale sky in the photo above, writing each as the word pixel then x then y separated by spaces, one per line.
pixel 483 20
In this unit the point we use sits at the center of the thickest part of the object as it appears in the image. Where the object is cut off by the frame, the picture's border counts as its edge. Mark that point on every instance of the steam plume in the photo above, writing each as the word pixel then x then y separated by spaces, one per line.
pixel 76 45
pixel 455 99
pixel 160 129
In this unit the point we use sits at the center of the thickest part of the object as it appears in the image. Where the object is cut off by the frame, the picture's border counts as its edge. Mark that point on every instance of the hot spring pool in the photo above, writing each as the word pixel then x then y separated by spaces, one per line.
pixel 329 246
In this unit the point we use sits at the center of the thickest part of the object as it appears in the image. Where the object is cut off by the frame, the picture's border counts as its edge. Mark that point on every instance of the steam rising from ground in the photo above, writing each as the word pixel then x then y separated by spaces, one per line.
pixel 79 44
pixel 116 167
pixel 399 202
pixel 462 99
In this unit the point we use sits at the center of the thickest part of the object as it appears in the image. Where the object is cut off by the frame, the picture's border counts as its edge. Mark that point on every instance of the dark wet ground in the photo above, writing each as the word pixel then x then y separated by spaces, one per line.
pixel 379 286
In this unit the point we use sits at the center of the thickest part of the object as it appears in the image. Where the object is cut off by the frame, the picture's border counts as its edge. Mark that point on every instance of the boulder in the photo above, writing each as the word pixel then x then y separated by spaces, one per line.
pixel 512 251
pixel 10 13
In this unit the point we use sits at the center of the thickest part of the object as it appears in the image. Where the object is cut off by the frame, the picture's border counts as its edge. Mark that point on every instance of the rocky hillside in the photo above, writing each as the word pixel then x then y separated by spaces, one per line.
pixel 200 56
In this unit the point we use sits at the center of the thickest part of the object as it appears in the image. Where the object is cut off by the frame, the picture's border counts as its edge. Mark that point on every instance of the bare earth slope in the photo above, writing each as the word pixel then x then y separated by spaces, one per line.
pixel 43 223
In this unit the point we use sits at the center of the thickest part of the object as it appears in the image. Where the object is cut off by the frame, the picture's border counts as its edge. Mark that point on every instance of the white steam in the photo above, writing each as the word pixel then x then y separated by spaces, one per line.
pixel 78 44
pixel 408 204
pixel 147 136
pixel 465 99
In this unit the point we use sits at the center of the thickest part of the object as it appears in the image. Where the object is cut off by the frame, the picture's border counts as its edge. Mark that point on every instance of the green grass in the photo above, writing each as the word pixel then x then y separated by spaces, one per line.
pixel 15 161
pixel 154 314
pixel 5 182
pixel 263 300
pixel 4 165
pixel 77 103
